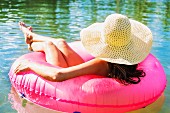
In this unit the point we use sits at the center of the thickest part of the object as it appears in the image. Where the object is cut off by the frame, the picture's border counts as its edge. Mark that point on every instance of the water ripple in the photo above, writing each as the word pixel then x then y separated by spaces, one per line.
pixel 65 19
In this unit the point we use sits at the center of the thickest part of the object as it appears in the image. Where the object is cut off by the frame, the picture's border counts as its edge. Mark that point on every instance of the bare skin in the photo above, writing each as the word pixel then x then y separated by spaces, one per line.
pixel 58 53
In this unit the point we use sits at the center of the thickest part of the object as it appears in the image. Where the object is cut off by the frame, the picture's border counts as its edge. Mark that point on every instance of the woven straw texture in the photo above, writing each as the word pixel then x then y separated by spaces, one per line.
pixel 118 40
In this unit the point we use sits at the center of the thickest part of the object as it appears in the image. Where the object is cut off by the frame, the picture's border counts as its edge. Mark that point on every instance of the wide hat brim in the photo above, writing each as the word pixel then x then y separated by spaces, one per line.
pixel 134 52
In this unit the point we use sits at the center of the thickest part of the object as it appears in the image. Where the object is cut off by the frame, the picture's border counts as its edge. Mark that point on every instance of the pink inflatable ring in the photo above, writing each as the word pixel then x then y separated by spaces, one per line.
pixel 90 93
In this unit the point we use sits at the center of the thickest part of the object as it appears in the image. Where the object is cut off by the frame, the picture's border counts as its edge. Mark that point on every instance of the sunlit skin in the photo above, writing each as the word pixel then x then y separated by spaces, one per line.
pixel 58 53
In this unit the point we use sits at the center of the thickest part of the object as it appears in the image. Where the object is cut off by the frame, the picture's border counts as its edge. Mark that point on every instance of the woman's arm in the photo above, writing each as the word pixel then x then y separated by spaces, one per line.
pixel 45 71
pixel 95 66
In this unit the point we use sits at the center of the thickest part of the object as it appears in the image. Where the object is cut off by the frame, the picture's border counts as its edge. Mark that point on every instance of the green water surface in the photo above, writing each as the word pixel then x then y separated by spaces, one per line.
pixel 65 19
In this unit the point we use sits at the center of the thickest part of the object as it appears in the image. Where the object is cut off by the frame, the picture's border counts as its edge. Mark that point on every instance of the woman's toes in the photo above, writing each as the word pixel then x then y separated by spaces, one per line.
pixel 30 28
pixel 23 24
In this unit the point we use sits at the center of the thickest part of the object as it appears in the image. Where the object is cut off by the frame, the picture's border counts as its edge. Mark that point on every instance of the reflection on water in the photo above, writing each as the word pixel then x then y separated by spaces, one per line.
pixel 24 106
pixel 66 18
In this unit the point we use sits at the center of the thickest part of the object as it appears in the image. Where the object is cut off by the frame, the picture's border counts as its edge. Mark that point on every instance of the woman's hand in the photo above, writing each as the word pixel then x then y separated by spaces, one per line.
pixel 22 66
pixel 46 72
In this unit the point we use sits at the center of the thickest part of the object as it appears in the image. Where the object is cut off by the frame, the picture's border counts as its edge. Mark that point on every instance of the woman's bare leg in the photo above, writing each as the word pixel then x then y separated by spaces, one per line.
pixel 52 53
pixel 71 57
pixel 35 37
pixel 64 55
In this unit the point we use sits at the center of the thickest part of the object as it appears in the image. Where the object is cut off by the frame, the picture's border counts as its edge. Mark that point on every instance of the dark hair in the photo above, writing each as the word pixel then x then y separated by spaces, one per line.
pixel 126 74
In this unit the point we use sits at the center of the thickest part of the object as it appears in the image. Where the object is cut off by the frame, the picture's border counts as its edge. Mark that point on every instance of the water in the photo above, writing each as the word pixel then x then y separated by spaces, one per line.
pixel 65 19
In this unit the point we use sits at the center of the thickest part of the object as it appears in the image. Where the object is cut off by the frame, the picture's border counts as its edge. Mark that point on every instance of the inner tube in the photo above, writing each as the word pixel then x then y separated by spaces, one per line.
pixel 89 93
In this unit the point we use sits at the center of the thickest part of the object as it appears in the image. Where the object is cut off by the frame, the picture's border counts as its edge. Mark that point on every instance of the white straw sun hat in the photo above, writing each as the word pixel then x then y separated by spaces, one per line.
pixel 118 40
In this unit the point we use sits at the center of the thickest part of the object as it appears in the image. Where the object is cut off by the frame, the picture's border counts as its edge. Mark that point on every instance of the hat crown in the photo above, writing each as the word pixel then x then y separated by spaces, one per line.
pixel 117 30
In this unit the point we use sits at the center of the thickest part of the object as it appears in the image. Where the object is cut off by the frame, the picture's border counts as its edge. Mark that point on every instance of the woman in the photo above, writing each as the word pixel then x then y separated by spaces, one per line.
pixel 118 44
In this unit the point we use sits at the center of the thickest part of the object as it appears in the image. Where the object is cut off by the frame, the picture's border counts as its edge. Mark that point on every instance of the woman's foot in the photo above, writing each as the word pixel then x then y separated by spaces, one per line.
pixel 27 32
